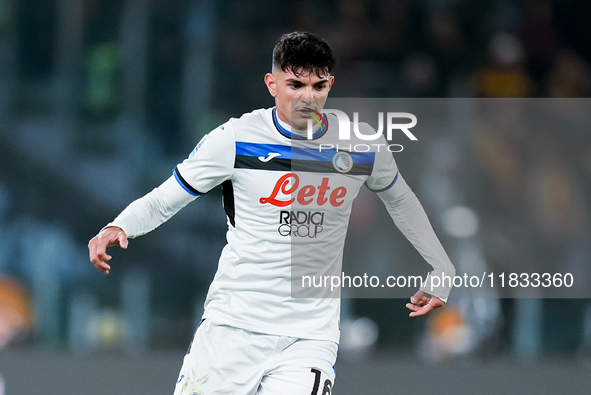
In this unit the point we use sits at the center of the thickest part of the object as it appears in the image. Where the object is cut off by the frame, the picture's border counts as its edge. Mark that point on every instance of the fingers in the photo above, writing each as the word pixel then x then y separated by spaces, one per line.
pixel 420 298
pixel 424 305
pixel 122 239
pixel 97 247
pixel 98 254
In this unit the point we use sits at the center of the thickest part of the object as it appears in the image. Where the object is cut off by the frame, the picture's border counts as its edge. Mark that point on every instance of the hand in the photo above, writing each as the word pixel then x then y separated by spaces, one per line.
pixel 97 246
pixel 421 305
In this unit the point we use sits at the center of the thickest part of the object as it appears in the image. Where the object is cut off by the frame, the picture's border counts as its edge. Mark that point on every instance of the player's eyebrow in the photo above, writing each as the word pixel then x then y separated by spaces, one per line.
pixel 293 80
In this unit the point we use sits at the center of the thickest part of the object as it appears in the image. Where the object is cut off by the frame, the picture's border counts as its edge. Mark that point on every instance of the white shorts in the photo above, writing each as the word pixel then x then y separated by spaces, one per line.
pixel 227 360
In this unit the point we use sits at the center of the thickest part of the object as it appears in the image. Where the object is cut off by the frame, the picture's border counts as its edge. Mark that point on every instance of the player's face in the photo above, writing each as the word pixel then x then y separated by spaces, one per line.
pixel 295 93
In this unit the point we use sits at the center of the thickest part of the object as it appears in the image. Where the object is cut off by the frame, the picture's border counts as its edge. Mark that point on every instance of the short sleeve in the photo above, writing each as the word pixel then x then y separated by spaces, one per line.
pixel 210 163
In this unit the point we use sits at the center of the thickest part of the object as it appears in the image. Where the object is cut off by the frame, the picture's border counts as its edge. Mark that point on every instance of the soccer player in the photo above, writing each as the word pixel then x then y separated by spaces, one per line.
pixel 255 338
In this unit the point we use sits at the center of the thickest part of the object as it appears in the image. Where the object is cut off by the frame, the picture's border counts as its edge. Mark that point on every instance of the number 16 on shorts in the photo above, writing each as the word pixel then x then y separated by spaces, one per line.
pixel 327 385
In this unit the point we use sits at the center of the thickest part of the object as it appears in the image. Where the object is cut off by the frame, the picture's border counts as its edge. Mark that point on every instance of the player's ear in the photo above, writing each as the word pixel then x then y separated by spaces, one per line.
pixel 271 85
pixel 330 82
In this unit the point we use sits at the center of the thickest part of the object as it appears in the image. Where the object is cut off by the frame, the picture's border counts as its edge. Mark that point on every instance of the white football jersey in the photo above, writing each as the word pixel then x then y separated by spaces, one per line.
pixel 288 201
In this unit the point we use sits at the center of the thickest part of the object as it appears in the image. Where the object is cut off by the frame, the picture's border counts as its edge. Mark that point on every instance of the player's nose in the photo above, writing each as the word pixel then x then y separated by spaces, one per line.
pixel 307 94
pixel 308 99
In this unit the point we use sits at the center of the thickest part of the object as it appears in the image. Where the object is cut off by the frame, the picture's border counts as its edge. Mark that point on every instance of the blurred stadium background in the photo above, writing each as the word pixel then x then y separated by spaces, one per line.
pixel 99 99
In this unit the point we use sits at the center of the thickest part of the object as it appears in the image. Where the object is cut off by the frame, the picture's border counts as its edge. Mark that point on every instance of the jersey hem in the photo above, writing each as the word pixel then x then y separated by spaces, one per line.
pixel 220 318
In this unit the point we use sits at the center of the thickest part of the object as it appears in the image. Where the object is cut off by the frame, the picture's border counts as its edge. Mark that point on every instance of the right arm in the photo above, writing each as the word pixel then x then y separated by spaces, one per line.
pixel 140 217
pixel 210 163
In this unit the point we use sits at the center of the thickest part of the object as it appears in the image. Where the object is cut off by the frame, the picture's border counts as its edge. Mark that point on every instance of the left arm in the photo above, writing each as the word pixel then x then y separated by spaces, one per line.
pixel 410 217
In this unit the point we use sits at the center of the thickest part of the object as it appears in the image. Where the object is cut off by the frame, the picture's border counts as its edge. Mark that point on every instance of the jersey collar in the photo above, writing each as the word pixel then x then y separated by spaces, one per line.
pixel 283 128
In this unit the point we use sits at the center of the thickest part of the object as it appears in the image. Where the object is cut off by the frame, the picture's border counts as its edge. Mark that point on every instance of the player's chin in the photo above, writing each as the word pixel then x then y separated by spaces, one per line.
pixel 300 122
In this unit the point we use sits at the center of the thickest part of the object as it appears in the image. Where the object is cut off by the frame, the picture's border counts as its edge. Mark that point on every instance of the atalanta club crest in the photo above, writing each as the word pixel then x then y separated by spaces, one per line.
pixel 342 162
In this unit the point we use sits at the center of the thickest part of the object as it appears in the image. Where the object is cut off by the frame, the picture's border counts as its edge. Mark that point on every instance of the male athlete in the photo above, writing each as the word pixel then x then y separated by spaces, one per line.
pixel 255 338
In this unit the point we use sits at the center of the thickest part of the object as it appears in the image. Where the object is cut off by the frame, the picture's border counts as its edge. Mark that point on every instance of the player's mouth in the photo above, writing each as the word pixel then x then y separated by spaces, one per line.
pixel 307 112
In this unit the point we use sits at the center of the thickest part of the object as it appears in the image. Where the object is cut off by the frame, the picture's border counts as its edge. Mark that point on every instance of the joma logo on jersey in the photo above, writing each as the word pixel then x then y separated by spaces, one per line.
pixel 300 223
pixel 289 185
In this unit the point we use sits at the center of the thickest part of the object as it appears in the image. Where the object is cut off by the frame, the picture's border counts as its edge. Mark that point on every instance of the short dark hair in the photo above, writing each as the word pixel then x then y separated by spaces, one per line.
pixel 301 52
